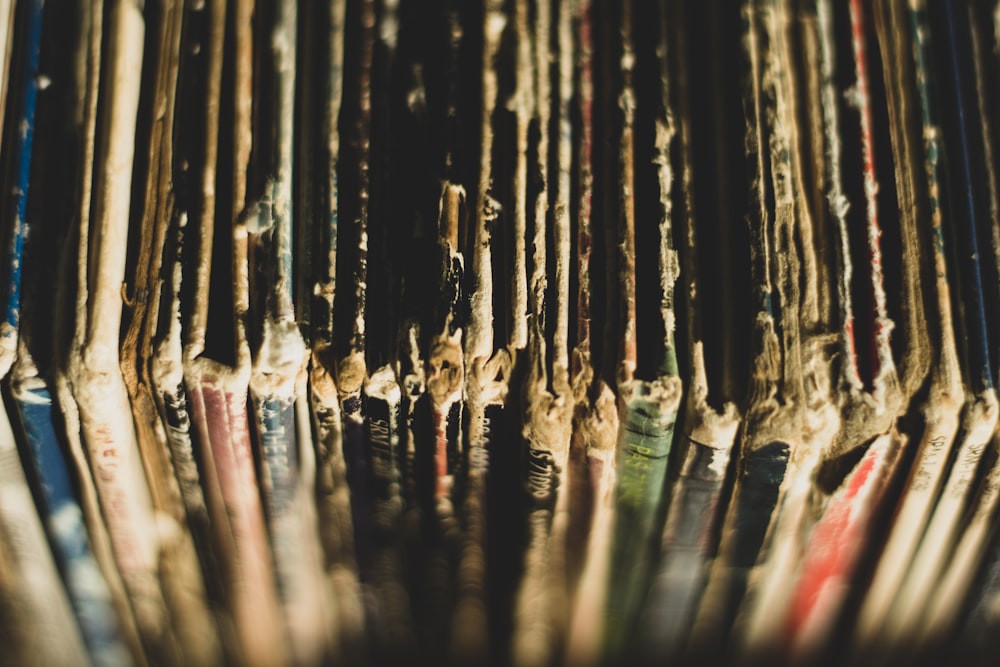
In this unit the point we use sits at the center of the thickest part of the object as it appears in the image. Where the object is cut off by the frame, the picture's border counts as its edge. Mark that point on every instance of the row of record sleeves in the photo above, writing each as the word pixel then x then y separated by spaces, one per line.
pixel 499 332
